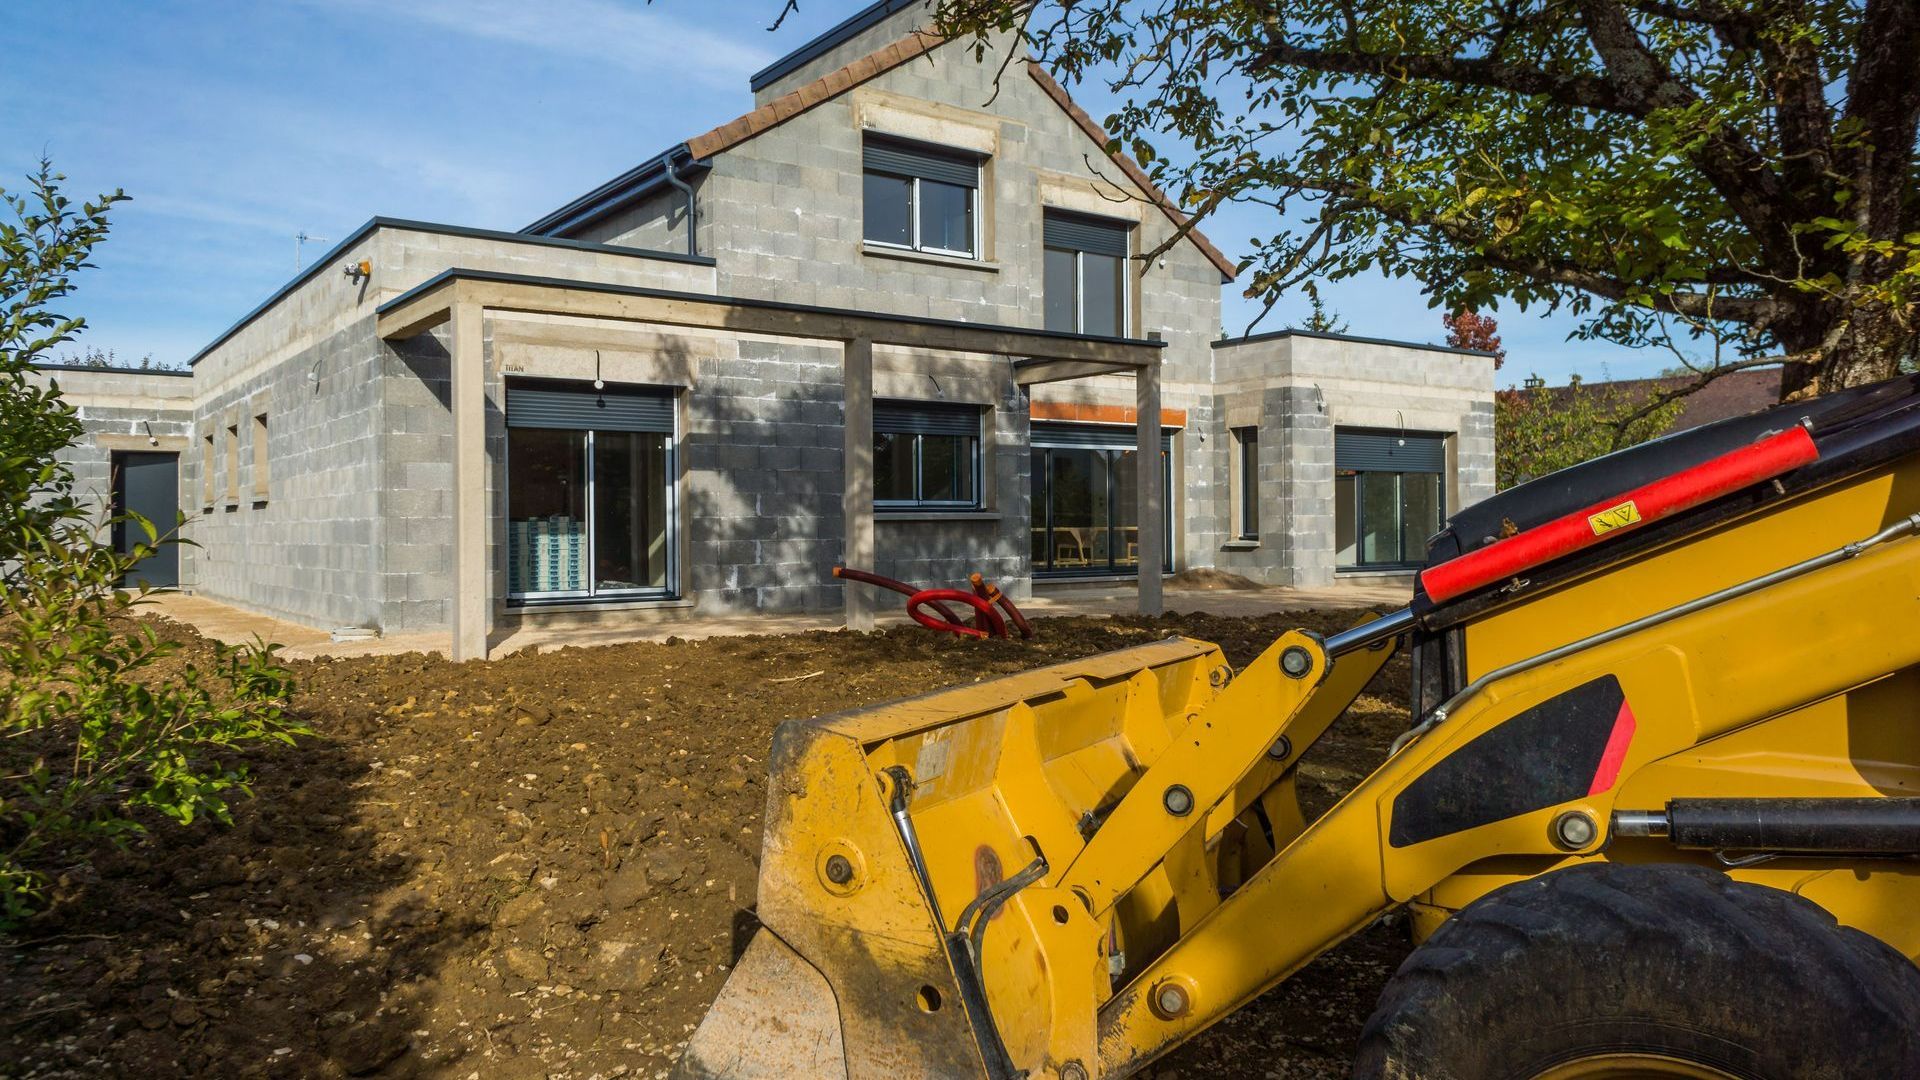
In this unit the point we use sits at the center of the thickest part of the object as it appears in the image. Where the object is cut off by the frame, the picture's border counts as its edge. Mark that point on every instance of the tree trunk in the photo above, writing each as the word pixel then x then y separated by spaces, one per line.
pixel 1866 342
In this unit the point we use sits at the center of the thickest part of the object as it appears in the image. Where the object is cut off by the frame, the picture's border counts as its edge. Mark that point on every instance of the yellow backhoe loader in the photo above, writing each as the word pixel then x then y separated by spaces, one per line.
pixel 1657 814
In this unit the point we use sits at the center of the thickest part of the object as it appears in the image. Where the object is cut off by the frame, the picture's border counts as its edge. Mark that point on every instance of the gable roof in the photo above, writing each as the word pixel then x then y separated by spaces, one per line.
pixel 846 31
pixel 831 85
pixel 697 150
pixel 1228 268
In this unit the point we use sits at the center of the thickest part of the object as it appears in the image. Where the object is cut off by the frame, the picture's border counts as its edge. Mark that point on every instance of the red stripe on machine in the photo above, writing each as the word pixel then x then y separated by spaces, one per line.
pixel 1684 490
pixel 1616 751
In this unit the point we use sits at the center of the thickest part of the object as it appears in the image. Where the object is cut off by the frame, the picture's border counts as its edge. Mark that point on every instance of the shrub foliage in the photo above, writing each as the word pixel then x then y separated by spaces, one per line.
pixel 105 725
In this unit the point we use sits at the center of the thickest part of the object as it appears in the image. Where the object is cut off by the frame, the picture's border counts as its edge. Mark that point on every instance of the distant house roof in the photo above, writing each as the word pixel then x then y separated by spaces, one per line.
pixel 864 19
pixel 651 175
pixel 1738 393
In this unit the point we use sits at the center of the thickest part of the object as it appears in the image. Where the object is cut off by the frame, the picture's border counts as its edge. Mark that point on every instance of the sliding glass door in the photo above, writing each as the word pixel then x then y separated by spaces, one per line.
pixel 590 501
pixel 1389 497
pixel 1086 507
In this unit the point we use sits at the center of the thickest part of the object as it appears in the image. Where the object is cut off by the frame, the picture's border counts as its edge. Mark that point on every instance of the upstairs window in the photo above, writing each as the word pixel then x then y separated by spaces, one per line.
pixel 922 198
pixel 926 455
pixel 1086 283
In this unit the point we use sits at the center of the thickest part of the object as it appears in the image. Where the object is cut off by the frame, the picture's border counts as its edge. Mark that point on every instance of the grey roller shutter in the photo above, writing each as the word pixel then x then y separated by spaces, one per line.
pixel 926 162
pixel 1079 232
pixel 614 409
pixel 1376 451
pixel 1094 436
pixel 926 418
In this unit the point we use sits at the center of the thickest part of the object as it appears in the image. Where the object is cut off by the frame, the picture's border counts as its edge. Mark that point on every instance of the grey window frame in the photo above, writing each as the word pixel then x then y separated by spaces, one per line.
pixel 1080 254
pixel 914 202
pixel 1365 453
pixel 1115 441
pixel 670 466
pixel 1247 445
pixel 898 424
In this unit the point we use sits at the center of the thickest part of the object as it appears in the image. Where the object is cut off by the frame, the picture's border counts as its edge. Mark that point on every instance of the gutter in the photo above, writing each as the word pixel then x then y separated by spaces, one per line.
pixel 693 205
pixel 636 183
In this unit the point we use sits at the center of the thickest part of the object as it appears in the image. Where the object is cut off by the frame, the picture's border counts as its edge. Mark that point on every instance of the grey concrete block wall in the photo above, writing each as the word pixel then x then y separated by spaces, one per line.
pixel 416 483
pixel 310 550
pixel 782 213
pixel 761 504
pixel 119 410
pixel 1302 387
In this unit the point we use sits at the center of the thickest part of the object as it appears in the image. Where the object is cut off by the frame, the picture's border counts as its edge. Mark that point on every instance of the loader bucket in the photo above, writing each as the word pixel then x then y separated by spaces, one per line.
pixel 858 972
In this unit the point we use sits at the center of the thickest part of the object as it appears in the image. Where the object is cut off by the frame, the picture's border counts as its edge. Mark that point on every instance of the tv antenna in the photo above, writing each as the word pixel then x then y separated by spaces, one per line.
pixel 300 241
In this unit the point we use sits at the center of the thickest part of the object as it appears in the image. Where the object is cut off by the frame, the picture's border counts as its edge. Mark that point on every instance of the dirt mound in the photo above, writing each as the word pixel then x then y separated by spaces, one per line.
pixel 1206 577
pixel 539 866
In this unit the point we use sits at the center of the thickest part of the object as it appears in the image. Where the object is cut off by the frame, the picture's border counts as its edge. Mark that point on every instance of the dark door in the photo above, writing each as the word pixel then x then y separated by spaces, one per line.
pixel 148 484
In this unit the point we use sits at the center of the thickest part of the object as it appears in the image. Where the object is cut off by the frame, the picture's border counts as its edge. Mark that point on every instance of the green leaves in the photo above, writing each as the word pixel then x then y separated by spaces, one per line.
pixel 104 726
pixel 1627 163
pixel 1540 429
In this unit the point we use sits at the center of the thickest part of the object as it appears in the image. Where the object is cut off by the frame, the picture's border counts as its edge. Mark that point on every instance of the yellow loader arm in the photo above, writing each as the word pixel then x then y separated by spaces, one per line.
pixel 951 884
pixel 1065 873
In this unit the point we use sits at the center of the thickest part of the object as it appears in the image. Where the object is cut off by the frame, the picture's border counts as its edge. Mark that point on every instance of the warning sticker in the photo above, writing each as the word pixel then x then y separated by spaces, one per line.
pixel 1614 517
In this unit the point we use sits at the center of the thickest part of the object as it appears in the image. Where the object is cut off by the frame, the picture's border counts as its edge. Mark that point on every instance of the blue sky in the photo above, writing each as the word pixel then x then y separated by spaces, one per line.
pixel 237 125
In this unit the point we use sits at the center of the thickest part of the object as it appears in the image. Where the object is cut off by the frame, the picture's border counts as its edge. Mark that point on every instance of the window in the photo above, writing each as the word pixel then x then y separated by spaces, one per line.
pixel 206 472
pixel 1388 497
pixel 1246 483
pixel 590 499
pixel 260 457
pixel 1086 509
pixel 921 197
pixel 233 464
pixel 926 455
pixel 1085 274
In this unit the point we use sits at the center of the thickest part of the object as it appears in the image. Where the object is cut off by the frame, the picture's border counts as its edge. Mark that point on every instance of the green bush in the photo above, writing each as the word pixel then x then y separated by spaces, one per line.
pixel 104 725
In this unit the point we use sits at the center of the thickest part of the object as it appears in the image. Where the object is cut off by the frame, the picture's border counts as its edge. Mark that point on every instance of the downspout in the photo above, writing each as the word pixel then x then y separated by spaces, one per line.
pixel 693 208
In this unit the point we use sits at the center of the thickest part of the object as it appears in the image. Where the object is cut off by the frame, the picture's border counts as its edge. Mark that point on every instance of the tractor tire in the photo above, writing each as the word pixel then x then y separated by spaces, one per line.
pixel 1607 970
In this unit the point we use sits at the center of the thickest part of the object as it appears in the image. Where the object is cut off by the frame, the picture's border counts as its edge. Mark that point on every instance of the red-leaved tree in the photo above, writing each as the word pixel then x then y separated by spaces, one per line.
pixel 1471 330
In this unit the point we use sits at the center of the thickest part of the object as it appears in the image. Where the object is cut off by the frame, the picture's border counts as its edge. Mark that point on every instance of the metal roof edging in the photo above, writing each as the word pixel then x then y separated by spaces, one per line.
pixel 373 223
pixel 841 33
pixel 1275 335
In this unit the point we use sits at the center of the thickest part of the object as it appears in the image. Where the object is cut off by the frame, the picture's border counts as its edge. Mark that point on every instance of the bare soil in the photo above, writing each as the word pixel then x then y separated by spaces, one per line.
pixel 543 866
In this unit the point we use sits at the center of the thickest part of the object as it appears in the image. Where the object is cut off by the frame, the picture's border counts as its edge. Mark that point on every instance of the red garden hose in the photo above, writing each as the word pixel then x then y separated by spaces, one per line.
pixel 986 620
pixel 997 627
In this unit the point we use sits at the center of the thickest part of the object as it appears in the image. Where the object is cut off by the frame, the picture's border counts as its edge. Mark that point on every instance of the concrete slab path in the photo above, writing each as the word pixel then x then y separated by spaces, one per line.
pixel 234 625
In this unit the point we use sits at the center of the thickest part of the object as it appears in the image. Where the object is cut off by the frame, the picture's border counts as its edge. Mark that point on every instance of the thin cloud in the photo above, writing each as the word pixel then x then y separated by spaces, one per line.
pixel 630 35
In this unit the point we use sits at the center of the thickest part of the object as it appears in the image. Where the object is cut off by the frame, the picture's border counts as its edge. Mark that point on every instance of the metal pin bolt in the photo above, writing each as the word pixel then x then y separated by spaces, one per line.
pixel 1178 800
pixel 1281 749
pixel 1296 661
pixel 1170 1000
pixel 1574 830
pixel 1073 1070
pixel 839 869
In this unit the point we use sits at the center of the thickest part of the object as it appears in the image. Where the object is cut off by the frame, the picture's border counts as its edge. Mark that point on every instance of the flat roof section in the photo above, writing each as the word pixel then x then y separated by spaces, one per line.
pixel 1275 335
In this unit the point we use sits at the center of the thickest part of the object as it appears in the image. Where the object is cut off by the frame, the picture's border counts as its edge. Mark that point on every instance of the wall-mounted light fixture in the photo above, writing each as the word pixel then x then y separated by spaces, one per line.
pixel 358 272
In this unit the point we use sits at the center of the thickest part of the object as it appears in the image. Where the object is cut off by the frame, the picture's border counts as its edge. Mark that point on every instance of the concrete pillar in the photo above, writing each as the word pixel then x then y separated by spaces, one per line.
pixel 472 606
pixel 1151 500
pixel 857 382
